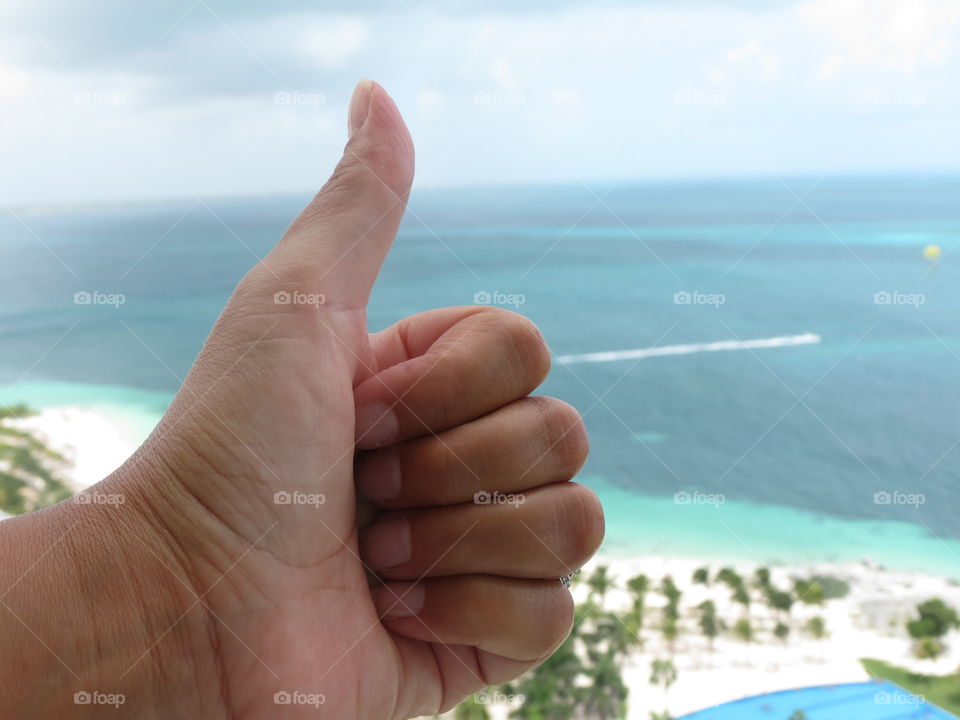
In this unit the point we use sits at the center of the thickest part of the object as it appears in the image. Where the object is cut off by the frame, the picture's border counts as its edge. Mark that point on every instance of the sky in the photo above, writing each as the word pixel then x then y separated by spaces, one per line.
pixel 112 100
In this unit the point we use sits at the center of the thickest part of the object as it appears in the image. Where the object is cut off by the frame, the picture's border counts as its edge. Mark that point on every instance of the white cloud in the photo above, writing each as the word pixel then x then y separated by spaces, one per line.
pixel 576 91
pixel 887 34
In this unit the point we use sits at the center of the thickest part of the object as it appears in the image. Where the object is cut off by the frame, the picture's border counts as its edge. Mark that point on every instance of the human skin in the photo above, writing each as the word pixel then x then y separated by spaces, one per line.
pixel 302 520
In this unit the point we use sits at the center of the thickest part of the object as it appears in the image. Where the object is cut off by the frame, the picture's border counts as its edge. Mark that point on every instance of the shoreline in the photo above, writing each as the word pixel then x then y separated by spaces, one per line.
pixel 100 426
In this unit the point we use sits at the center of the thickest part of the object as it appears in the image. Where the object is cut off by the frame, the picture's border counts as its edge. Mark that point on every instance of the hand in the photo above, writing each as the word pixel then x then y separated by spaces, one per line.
pixel 242 571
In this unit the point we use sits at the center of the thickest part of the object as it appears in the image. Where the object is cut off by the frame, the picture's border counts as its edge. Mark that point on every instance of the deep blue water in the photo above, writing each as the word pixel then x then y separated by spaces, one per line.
pixel 875 406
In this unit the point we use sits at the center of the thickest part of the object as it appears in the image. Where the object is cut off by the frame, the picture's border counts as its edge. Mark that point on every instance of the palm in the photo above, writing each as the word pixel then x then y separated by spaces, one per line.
pixel 333 640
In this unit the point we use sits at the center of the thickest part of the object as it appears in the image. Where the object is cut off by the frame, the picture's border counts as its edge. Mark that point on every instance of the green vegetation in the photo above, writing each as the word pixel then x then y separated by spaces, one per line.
pixel 816 628
pixel 599 583
pixel 743 630
pixel 583 678
pixel 942 690
pixel 471 709
pixel 833 588
pixel 782 632
pixel 30 472
pixel 761 578
pixel 809 592
pixel 710 624
pixel 936 620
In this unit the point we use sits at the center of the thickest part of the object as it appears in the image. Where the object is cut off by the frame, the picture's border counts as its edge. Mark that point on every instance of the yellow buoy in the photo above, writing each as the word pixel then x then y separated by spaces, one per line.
pixel 932 252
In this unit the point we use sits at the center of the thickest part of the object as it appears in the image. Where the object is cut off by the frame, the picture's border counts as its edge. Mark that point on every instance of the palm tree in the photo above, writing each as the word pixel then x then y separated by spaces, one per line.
pixel 672 593
pixel 29 470
pixel 729 577
pixel 742 596
pixel 619 635
pixel 701 576
pixel 779 600
pixel 600 583
pixel 761 578
pixel 816 628
pixel 670 630
pixel 638 586
pixel 782 632
pixel 744 632
pixel 663 672
pixel 605 697
pixel 549 691
pixel 709 622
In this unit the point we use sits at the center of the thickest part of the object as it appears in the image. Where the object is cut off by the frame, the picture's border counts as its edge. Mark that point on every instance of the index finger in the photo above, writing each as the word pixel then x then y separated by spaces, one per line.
pixel 439 369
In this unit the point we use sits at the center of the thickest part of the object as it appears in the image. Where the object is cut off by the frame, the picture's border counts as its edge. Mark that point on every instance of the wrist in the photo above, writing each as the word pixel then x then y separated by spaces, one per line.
pixel 97 598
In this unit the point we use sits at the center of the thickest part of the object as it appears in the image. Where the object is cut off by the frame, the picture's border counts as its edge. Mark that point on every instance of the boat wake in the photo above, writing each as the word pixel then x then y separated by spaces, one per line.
pixel 690 349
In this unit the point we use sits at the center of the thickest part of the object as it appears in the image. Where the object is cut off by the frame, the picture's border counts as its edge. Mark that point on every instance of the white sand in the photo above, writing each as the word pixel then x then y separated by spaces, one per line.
pixel 867 623
pixel 95 444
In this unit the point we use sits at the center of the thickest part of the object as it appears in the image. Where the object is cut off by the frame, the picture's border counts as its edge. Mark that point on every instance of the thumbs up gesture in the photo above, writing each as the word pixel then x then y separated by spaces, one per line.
pixel 326 523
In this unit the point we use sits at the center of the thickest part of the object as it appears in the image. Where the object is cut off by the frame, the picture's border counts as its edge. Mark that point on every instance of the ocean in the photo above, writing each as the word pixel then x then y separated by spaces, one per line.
pixel 839 439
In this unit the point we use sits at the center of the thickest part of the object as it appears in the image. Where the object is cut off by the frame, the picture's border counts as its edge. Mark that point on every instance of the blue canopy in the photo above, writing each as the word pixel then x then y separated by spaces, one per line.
pixel 878 700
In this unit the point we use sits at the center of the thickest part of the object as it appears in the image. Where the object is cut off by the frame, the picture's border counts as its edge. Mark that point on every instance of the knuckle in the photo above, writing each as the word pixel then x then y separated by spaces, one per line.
pixel 530 347
pixel 525 354
pixel 582 524
pixel 563 434
pixel 525 348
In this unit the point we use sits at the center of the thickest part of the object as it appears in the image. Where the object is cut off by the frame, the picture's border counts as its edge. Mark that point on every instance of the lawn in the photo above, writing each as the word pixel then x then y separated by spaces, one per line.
pixel 942 690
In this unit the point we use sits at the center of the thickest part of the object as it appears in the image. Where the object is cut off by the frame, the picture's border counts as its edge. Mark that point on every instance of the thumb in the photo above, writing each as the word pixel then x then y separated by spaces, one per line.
pixel 339 241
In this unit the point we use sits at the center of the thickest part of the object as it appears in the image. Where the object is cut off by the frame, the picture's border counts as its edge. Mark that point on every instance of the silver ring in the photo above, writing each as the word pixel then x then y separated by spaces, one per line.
pixel 567 580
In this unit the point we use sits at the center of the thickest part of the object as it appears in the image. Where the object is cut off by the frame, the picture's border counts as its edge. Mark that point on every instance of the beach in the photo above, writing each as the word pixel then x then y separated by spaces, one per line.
pixel 866 623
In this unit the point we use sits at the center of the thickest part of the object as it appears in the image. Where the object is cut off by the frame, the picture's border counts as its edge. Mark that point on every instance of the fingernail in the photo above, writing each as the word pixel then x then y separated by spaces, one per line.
pixel 399 601
pixel 378 475
pixel 359 105
pixel 376 425
pixel 387 544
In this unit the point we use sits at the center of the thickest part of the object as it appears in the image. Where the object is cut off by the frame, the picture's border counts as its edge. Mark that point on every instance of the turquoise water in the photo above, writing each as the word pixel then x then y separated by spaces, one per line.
pixel 797 440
